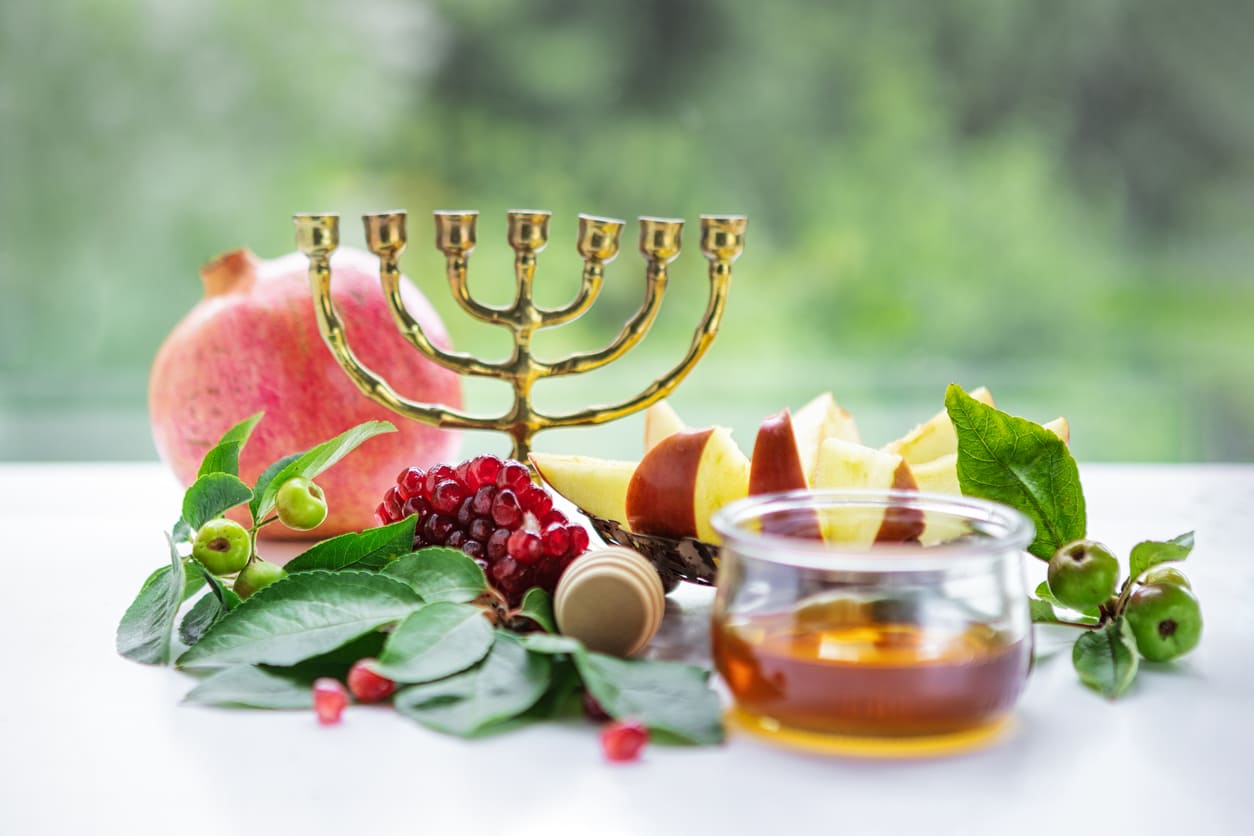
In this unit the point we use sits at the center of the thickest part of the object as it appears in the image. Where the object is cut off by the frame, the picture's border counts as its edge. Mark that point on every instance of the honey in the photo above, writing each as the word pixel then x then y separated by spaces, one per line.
pixel 835 668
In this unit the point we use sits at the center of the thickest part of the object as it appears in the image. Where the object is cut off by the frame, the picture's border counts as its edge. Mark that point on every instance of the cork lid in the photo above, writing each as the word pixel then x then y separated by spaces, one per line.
pixel 610 599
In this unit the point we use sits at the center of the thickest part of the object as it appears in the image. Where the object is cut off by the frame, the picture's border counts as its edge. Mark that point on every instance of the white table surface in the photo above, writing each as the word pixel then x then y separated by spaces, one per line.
pixel 91 743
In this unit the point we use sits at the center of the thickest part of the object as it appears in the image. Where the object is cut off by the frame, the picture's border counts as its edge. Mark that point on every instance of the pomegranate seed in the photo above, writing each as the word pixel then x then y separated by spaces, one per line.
pixel 447 497
pixel 436 475
pixel 456 539
pixel 383 515
pixel 410 482
pixel 536 500
pixel 622 740
pixel 483 469
pixel 514 476
pixel 480 529
pixel 555 540
pixel 506 511
pixel 481 502
pixel 578 540
pixel 523 546
pixel 392 499
pixel 416 505
pixel 436 529
pixel 554 516
pixel 329 699
pixel 366 685
pixel 505 570
pixel 465 513
pixel 463 473
pixel 496 544
pixel 474 549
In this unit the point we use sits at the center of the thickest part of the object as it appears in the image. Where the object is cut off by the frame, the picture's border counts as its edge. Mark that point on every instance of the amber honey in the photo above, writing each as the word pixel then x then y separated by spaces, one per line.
pixel 836 669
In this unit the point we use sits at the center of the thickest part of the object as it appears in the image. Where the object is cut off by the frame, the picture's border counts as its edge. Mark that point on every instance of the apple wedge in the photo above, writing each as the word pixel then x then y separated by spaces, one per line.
pixel 661 420
pixel 820 419
pixel 934 438
pixel 682 480
pixel 597 486
pixel 843 464
pixel 940 475
pixel 776 466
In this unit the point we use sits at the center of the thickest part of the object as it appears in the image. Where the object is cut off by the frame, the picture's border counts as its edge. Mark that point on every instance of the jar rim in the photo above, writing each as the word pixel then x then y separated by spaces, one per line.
pixel 1007 530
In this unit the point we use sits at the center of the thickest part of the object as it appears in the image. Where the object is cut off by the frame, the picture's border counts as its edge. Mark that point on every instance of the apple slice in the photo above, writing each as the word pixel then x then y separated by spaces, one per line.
pixel 819 419
pixel 934 438
pixel 776 466
pixel 681 481
pixel 597 486
pixel 940 475
pixel 661 420
pixel 843 464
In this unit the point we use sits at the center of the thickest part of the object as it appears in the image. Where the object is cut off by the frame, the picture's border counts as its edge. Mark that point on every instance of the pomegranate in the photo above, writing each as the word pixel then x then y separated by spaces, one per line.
pixel 252 344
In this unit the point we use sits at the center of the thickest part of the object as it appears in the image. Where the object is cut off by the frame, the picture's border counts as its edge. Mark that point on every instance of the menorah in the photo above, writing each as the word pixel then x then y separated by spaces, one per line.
pixel 722 240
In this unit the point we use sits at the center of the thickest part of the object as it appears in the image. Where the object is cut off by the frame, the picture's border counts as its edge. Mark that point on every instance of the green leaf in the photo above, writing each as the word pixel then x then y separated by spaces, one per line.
pixel 550 643
pixel 435 641
pixel 1150 553
pixel 212 495
pixel 203 614
pixel 182 532
pixel 505 684
pixel 265 480
pixel 301 616
pixel 315 460
pixel 440 574
pixel 1022 464
pixel 669 697
pixel 224 456
pixel 1106 658
pixel 246 686
pixel 1042 612
pixel 537 605
pixel 146 630
pixel 371 549
pixel 1046 594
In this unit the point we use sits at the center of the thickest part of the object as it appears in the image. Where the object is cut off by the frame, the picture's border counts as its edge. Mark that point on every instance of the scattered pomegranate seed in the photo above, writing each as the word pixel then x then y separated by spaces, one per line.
pixel 366 685
pixel 329 699
pixel 622 740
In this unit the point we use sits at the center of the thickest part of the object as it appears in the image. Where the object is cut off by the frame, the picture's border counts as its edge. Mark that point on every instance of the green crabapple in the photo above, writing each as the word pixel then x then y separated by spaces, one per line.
pixel 1164 575
pixel 301 504
pixel 1083 574
pixel 222 546
pixel 257 575
pixel 1166 620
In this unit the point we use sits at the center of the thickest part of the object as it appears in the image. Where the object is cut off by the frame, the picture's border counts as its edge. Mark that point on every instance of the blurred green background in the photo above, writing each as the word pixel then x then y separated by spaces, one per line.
pixel 1050 198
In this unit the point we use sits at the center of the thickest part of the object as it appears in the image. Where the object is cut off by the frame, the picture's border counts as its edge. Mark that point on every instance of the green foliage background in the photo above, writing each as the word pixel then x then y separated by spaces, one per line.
pixel 1050 198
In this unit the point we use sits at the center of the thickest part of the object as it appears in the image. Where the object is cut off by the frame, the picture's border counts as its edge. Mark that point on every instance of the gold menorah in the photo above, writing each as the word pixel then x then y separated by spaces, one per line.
pixel 722 240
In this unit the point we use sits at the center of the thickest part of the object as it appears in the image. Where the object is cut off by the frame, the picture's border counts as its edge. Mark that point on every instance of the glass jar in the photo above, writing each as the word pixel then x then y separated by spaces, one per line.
pixel 872 620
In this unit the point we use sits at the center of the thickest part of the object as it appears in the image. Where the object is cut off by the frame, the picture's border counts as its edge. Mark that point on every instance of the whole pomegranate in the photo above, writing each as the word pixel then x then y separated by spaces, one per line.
pixel 252 344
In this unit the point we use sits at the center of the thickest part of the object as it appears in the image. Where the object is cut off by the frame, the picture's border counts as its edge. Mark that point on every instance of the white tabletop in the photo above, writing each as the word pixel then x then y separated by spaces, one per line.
pixel 91 743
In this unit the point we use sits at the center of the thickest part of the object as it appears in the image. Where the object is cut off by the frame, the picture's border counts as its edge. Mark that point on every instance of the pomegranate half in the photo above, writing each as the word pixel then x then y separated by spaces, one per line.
pixel 252 344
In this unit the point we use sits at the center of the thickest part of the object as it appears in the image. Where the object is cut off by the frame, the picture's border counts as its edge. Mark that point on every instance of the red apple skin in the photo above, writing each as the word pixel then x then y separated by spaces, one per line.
pixel 776 466
pixel 252 345
pixel 901 525
pixel 660 495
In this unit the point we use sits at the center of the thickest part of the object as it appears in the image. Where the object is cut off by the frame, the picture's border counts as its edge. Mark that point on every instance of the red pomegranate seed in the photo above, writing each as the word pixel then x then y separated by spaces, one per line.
pixel 483 469
pixel 524 547
pixel 473 548
pixel 436 475
pixel 392 499
pixel 436 529
pixel 410 482
pixel 466 513
pixel 622 740
pixel 329 699
pixel 416 505
pixel 480 529
pixel 456 539
pixel 555 540
pixel 383 515
pixel 554 516
pixel 536 500
pixel 481 502
pixel 447 497
pixel 505 570
pixel 506 511
pixel 366 685
pixel 578 540
pixel 514 476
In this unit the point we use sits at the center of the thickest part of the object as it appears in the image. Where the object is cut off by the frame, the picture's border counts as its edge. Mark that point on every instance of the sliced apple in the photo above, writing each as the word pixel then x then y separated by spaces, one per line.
pixel 661 420
pixel 821 418
pixel 776 466
pixel 843 464
pixel 1059 427
pixel 598 486
pixel 934 438
pixel 940 475
pixel 685 478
